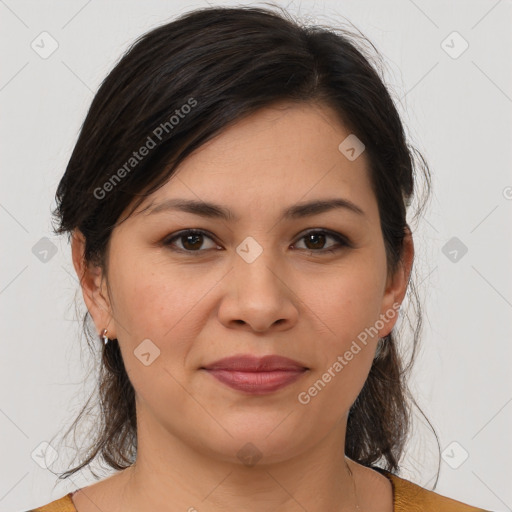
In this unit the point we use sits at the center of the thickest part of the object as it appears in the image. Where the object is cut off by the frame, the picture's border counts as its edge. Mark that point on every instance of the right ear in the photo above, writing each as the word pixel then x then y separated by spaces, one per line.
pixel 94 287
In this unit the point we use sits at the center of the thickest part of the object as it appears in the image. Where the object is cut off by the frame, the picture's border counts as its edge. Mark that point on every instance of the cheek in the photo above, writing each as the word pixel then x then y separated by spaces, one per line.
pixel 346 305
pixel 162 306
pixel 156 299
pixel 346 301
pixel 156 305
pixel 345 343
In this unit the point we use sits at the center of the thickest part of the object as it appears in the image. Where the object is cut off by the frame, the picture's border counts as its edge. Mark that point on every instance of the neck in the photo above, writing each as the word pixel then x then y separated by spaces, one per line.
pixel 169 475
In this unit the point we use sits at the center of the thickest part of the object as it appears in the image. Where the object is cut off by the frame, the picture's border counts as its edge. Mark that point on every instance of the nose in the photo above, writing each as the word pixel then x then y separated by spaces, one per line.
pixel 259 295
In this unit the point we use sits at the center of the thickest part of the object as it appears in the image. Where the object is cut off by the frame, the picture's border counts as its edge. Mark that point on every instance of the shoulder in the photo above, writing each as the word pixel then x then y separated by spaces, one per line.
pixel 64 504
pixel 410 497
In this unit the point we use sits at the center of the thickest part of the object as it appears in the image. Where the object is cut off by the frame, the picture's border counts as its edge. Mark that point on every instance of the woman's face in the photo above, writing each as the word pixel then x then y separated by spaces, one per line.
pixel 256 283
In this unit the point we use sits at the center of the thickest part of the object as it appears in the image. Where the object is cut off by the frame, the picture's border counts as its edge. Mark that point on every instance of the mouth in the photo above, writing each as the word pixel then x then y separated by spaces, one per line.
pixel 256 375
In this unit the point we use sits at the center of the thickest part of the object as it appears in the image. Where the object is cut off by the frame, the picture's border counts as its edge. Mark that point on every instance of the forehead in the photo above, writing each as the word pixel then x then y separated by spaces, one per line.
pixel 276 157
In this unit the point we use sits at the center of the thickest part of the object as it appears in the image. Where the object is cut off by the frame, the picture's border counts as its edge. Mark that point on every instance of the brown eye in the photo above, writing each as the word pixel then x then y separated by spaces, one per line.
pixel 315 241
pixel 190 241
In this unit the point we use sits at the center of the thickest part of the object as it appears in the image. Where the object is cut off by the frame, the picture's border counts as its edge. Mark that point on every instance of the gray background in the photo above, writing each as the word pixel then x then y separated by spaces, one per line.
pixel 457 110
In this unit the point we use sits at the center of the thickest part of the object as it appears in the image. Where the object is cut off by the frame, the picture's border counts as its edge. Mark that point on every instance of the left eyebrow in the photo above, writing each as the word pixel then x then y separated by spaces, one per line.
pixel 297 211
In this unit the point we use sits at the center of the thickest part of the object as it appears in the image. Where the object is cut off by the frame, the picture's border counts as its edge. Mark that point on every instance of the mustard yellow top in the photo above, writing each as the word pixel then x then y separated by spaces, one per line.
pixel 407 497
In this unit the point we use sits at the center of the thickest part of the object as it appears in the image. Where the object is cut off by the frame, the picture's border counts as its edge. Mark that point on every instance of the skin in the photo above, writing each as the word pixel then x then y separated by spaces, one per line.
pixel 289 301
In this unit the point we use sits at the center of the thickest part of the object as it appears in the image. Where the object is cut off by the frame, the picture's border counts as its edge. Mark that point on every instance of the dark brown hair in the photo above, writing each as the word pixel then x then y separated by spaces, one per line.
pixel 225 64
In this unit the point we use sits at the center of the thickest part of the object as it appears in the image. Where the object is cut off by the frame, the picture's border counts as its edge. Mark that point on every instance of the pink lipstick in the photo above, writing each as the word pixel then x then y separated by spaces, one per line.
pixel 256 375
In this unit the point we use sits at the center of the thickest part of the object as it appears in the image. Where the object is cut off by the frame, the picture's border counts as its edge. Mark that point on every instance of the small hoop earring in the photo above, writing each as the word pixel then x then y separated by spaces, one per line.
pixel 104 336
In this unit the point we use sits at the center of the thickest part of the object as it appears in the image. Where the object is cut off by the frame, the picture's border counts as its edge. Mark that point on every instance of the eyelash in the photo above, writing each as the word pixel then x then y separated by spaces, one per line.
pixel 342 241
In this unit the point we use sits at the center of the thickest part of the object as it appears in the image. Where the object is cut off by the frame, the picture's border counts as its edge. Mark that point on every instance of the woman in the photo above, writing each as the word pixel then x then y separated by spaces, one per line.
pixel 236 204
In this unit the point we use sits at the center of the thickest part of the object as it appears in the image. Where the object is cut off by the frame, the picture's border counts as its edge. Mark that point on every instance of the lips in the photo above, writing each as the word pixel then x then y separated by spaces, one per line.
pixel 256 375
pixel 247 363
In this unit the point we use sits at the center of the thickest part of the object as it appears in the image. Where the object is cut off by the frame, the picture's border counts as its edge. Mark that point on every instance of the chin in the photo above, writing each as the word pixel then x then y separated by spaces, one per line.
pixel 248 445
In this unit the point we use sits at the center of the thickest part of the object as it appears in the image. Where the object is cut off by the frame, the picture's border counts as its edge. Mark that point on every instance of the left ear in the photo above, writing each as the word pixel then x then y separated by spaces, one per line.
pixel 396 285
